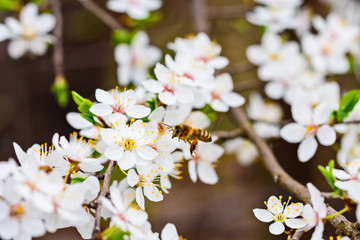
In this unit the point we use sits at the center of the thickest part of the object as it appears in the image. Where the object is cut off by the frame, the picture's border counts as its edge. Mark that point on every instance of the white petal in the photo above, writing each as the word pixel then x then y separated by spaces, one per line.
pixel 9 228
pixel 153 86
pixel 29 13
pixel 219 106
pixel 101 109
pixel 152 193
pixel 340 174
pixel 318 233
pixel 276 228
pixel 307 149
pixel 184 94
pixel 4 32
pixel 76 121
pixel 114 152
pixel 140 198
pixel 322 113
pixel 132 178
pixel 207 173
pixel 293 132
pixel 301 112
pixel 127 161
pixel 147 152
pixel 33 226
pixel 192 170
pixel 104 96
pixel 293 210
pixel 263 215
pixel 167 98
pixel 17 48
pixel 45 23
pixel 169 232
pixel 137 111
pixel 295 223
pixel 233 99
pixel 326 135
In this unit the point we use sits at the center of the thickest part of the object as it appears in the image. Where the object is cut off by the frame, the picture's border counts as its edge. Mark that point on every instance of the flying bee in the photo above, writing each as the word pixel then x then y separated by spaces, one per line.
pixel 190 135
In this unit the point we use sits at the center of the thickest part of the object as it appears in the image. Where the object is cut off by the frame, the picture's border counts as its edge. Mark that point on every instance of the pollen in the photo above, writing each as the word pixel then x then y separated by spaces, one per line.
pixel 129 144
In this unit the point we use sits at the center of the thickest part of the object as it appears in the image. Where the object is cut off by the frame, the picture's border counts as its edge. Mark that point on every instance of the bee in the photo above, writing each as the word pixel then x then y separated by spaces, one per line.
pixel 190 135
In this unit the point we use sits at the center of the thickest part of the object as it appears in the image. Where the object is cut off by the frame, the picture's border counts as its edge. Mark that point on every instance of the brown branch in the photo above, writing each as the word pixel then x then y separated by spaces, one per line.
pixel 58 55
pixel 227 12
pixel 224 135
pixel 101 14
pixel 103 193
pixel 239 67
pixel 199 14
pixel 280 176
pixel 297 235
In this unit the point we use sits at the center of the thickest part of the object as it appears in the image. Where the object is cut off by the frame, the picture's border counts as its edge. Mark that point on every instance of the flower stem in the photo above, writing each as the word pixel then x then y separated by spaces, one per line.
pixel 337 213
pixel 123 172
pixel 67 176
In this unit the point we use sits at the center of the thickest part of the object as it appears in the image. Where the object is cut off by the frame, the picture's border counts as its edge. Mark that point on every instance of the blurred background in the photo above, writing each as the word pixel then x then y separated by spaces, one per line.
pixel 30 114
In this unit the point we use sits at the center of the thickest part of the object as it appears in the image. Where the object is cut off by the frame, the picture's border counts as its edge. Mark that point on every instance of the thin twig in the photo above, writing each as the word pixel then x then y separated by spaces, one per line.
pixel 103 193
pixel 280 176
pixel 297 235
pixel 248 85
pixel 239 67
pixel 58 55
pixel 101 14
pixel 199 14
pixel 224 135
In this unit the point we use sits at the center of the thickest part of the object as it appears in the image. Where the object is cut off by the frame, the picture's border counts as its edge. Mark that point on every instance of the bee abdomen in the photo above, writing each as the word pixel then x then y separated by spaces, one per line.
pixel 204 135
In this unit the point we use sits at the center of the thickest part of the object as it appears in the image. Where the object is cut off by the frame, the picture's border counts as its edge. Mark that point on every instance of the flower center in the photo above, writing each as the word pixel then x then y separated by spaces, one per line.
pixel 274 57
pixel 168 88
pixel 311 130
pixel 215 95
pixel 326 50
pixel 17 211
pixel 29 32
pixel 128 144
pixel 279 217
pixel 141 181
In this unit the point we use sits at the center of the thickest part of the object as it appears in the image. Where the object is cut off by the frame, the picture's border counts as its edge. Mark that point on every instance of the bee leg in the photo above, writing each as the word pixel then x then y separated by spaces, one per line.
pixel 193 147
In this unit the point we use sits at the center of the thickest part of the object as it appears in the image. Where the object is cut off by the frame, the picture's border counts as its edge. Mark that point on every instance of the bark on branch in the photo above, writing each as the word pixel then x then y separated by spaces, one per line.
pixel 101 14
pixel 103 193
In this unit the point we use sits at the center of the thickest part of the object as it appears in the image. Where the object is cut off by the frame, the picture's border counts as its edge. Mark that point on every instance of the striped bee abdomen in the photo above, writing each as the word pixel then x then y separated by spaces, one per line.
pixel 203 135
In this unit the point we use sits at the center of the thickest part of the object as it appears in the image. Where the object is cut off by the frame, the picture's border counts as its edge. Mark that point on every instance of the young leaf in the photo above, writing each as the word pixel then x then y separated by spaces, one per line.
pixel 60 90
pixel 77 98
pixel 77 179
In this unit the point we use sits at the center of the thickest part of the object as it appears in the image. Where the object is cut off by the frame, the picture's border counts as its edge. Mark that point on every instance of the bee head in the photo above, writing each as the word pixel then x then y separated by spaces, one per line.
pixel 176 131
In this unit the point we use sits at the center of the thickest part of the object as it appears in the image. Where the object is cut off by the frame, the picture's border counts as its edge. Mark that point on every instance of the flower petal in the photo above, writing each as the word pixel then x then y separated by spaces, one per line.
pixel 263 215
pixel 307 149
pixel 326 135
pixel 132 178
pixel 167 98
pixel 293 132
pixel 295 223
pixel 137 111
pixel 207 173
pixel 153 86
pixel 276 228
pixel 114 152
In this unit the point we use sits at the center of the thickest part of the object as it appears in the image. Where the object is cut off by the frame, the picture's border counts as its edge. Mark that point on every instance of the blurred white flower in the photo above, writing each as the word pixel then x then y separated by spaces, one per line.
pixel 137 9
pixel 245 151
pixel 29 33
pixel 309 123
pixel 135 59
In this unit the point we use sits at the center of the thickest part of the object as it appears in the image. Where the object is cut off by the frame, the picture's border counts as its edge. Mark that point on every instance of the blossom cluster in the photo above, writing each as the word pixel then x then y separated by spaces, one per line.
pixel 298 72
pixel 295 215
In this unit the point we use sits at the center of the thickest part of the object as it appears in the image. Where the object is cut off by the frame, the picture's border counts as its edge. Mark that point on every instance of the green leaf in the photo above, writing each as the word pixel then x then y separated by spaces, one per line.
pixel 114 233
pixel 38 2
pixel 77 179
pixel 85 106
pixel 209 112
pixel 150 76
pixel 351 62
pixel 60 90
pixel 152 104
pixel 77 98
pixel 90 118
pixel 9 5
pixel 153 18
pixel 328 176
pixel 121 36
pixel 347 104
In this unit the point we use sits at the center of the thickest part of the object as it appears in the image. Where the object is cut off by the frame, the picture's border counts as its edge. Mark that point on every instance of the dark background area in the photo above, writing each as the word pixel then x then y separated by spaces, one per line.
pixel 29 114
